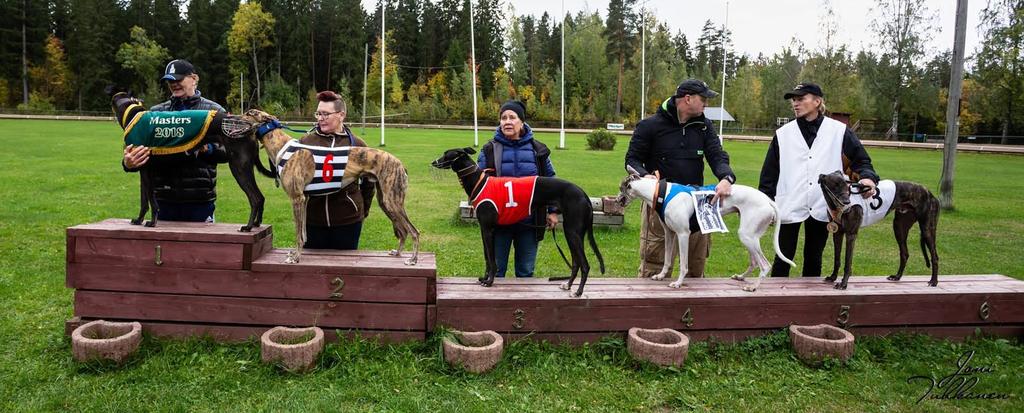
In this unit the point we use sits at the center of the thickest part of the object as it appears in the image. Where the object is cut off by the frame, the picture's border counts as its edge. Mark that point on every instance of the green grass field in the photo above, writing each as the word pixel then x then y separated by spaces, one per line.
pixel 59 174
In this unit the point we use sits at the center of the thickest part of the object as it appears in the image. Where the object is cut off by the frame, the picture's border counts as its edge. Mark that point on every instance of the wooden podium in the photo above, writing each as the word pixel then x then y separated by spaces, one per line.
pixel 717 307
pixel 196 279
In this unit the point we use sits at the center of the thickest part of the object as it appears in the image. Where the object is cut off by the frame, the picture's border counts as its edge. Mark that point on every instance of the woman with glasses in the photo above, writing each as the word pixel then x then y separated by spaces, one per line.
pixel 335 220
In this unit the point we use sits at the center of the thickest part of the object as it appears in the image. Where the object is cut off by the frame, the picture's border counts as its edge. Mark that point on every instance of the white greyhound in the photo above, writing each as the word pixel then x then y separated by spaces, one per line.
pixel 756 210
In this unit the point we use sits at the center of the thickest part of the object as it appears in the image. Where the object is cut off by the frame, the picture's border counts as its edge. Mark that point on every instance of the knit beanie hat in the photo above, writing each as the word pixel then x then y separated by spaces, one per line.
pixel 516 106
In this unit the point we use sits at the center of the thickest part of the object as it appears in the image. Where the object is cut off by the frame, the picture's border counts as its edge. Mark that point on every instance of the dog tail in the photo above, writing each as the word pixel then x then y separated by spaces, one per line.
pixel 593 244
pixel 268 172
pixel 775 239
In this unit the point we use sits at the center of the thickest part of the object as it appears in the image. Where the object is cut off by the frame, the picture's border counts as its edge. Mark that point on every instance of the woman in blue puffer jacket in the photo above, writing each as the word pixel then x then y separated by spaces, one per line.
pixel 514 152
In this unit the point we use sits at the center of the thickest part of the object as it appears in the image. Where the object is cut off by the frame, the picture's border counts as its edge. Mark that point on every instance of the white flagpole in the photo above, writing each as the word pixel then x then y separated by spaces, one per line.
pixel 561 132
pixel 725 52
pixel 643 63
pixel 472 69
pixel 366 70
pixel 383 45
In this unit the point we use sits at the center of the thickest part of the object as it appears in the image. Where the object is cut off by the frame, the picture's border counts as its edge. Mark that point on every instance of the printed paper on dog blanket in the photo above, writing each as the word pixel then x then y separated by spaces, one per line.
pixel 709 215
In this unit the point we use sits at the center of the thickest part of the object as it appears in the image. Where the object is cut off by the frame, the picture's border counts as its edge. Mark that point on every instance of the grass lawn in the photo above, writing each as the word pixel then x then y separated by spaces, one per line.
pixel 59 174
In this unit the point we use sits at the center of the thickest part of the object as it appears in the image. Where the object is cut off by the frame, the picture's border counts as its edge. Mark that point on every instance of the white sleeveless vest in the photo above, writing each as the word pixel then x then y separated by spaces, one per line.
pixel 798 194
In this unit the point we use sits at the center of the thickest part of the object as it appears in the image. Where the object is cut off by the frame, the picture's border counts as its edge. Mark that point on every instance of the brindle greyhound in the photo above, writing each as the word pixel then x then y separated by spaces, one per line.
pixel 577 214
pixel 912 203
pixel 242 156
pixel 390 176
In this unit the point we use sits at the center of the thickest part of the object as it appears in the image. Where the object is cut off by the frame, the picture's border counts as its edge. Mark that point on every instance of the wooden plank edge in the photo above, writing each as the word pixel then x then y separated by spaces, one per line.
pixel 231 333
pixel 952 333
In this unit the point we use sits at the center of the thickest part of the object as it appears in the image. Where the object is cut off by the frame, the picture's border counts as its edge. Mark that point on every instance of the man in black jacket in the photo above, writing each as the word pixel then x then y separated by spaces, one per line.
pixel 675 141
pixel 185 184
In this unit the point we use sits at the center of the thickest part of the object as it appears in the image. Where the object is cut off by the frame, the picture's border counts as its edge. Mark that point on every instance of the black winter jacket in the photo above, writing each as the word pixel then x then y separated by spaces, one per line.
pixel 189 177
pixel 660 143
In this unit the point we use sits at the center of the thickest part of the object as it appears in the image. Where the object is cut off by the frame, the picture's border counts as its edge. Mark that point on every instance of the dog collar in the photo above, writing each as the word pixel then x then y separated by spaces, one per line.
pixel 267 127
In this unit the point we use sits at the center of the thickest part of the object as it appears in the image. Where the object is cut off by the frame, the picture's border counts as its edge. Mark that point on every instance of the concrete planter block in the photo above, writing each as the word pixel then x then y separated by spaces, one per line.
pixel 664 347
pixel 104 340
pixel 477 352
pixel 813 344
pixel 612 206
pixel 294 349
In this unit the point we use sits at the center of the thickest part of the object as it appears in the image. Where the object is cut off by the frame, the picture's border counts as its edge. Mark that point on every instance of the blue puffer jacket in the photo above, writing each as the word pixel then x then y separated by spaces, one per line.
pixel 523 157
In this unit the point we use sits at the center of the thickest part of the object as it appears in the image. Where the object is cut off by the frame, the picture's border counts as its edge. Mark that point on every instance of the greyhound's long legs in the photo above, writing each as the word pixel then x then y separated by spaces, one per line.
pixel 901 224
pixel 145 190
pixel 299 212
pixel 848 266
pixel 487 234
pixel 683 246
pixel 837 244
pixel 669 255
pixel 574 240
pixel 928 238
pixel 246 179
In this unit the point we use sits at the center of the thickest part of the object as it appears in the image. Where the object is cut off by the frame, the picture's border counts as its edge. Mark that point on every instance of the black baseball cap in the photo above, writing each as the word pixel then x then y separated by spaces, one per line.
pixel 695 87
pixel 803 89
pixel 176 70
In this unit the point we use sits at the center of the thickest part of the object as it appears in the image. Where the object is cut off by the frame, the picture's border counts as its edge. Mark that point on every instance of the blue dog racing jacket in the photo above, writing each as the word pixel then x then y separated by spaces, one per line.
pixel 330 166
pixel 668 190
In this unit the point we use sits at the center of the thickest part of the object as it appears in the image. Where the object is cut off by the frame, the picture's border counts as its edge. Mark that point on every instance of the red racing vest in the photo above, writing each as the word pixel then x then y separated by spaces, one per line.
pixel 510 196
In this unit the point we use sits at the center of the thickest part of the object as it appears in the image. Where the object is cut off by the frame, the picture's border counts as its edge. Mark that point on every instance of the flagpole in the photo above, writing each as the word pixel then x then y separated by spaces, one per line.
pixel 561 132
pixel 725 53
pixel 643 63
pixel 472 69
pixel 366 70
pixel 383 46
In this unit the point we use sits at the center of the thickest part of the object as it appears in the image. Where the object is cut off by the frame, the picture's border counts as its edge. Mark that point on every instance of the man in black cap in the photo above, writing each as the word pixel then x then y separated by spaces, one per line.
pixel 675 142
pixel 185 183
pixel 810 145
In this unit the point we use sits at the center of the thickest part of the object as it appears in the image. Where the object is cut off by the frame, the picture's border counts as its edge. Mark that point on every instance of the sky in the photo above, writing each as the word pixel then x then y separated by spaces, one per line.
pixel 766 26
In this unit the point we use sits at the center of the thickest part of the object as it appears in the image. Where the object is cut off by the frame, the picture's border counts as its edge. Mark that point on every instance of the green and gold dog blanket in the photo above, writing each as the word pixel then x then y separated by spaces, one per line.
pixel 168 132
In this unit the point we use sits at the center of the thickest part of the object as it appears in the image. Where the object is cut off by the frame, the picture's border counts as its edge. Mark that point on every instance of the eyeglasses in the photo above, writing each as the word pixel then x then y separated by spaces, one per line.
pixel 323 115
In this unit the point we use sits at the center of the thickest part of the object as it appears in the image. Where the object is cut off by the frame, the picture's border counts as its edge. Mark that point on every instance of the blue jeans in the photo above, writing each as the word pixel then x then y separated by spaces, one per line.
pixel 185 211
pixel 525 240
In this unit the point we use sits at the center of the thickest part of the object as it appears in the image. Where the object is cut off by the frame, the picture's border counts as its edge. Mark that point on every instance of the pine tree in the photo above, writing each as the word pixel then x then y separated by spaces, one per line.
pixel 621 37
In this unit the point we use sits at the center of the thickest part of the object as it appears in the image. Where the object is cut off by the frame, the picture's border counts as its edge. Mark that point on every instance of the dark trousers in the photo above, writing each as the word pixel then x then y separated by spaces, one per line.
pixel 345 237
pixel 185 211
pixel 815 236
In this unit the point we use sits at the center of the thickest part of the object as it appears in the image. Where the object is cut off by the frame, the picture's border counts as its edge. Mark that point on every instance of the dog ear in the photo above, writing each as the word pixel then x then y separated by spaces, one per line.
pixel 468 150
pixel 632 171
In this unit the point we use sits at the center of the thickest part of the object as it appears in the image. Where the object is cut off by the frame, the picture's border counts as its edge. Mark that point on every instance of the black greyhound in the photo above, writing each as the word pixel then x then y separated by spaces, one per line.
pixel 577 213
pixel 912 203
pixel 243 155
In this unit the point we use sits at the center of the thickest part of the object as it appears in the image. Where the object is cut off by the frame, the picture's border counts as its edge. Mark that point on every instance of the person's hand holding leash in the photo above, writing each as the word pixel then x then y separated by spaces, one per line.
pixel 722 190
pixel 868 186
pixel 552 220
pixel 135 156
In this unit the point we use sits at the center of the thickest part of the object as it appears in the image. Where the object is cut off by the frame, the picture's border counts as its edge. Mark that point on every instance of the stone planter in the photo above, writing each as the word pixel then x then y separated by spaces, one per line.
pixel 294 349
pixel 102 340
pixel 664 347
pixel 813 344
pixel 611 206
pixel 476 352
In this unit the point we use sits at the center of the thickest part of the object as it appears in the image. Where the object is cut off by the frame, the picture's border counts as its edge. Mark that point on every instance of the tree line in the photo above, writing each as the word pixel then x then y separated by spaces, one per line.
pixel 58 55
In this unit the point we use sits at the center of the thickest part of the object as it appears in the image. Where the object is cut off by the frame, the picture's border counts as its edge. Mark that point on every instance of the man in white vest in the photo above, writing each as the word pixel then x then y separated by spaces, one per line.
pixel 810 145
